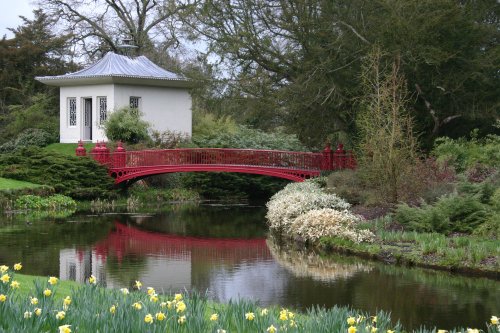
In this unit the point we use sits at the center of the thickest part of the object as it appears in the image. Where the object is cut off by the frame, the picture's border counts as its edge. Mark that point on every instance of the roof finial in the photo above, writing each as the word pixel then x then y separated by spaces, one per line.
pixel 127 47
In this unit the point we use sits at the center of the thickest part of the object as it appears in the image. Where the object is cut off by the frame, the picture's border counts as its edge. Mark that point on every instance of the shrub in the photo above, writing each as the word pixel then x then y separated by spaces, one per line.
pixel 169 139
pixel 126 125
pixel 318 223
pixel 29 137
pixel 79 178
pixel 296 199
pixel 54 202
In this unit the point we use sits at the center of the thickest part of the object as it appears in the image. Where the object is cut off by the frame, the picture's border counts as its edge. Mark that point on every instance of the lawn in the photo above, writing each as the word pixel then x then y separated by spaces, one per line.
pixel 12 184
pixel 67 148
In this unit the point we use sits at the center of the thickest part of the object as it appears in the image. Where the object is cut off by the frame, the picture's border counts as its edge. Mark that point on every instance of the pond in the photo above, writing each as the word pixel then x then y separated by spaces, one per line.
pixel 226 251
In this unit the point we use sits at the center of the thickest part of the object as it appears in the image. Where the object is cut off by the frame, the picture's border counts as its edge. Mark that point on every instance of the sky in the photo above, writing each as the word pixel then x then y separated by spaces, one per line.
pixel 9 15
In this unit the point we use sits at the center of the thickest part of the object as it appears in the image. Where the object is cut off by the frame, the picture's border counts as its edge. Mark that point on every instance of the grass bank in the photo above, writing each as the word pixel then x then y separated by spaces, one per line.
pixel 72 307
pixel 457 253
pixel 12 184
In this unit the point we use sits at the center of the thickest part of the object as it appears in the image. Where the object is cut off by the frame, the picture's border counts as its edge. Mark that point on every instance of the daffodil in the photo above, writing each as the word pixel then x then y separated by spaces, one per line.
pixel 214 317
pixel 124 291
pixel 249 316
pixel 283 315
pixel 92 280
pixel 360 319
pixel 47 292
pixel 148 319
pixel 160 316
pixel 138 284
pixel 264 312
pixel 3 298
pixel 28 314
pixel 163 304
pixel 38 311
pixel 137 305
pixel 472 330
pixel 67 301
pixel 181 320
pixel 351 321
pixel 292 323
pixel 18 266
pixel 53 280
pixel 65 329
pixel 178 297
pixel 374 319
pixel 15 284
pixel 373 330
pixel 4 269
pixel 112 309
pixel 60 315
pixel 169 304
pixel 151 291
pixel 442 331
pixel 291 315
pixel 33 300
pixel 352 329
pixel 5 278
pixel 494 320
pixel 180 307
pixel 271 329
pixel 390 331
pixel 153 298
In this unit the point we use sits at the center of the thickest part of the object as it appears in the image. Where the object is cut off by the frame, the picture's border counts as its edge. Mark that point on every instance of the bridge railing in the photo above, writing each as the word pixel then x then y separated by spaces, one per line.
pixel 120 158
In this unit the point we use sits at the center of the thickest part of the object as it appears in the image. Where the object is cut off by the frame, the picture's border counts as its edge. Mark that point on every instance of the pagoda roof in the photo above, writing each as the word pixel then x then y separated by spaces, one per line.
pixel 115 68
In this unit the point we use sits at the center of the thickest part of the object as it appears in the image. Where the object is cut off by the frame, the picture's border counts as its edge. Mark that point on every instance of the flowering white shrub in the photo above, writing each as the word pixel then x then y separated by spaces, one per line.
pixel 296 199
pixel 330 222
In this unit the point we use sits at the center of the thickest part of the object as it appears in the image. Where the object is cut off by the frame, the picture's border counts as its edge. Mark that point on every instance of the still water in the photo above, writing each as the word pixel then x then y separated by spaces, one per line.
pixel 226 251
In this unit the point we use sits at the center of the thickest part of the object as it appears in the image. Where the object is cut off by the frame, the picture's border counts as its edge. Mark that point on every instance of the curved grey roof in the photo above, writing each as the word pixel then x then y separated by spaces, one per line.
pixel 115 68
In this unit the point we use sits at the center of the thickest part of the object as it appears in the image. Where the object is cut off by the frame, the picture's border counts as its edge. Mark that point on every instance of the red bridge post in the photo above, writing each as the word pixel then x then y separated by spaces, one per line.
pixel 80 150
pixel 119 156
pixel 339 157
pixel 327 163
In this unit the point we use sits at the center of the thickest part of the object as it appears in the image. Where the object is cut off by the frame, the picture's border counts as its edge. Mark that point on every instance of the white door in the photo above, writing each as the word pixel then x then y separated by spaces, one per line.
pixel 87 119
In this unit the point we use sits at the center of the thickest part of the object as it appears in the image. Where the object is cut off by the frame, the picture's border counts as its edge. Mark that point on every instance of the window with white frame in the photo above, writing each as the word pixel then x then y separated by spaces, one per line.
pixel 72 111
pixel 102 103
pixel 135 102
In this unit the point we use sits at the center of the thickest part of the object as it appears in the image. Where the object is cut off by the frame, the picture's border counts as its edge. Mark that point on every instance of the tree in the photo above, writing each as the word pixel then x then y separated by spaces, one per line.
pixel 99 26
pixel 126 125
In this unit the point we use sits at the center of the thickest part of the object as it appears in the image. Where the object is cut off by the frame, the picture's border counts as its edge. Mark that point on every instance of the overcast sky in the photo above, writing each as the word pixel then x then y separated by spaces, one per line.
pixel 9 14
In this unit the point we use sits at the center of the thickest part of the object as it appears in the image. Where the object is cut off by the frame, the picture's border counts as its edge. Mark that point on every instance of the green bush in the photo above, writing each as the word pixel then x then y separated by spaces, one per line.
pixel 79 178
pixel 451 213
pixel 29 137
pixel 54 202
pixel 126 125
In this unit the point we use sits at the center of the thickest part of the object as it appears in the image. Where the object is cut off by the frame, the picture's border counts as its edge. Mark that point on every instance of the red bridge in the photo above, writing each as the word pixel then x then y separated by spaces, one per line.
pixel 129 165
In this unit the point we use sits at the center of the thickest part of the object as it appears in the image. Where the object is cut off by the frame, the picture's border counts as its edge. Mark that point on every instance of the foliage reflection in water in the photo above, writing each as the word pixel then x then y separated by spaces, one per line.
pixel 227 251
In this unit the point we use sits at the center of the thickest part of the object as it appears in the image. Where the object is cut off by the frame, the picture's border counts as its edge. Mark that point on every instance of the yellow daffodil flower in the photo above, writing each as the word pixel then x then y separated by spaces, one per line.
pixel 138 284
pixel 292 323
pixel 154 298
pixel 60 315
pixel 112 309
pixel 373 330
pixel 214 317
pixel 5 278
pixel 92 280
pixel 283 315
pixel 3 298
pixel 494 320
pixel 151 291
pixel 169 304
pixel 18 266
pixel 181 320
pixel 351 329
pixel 53 280
pixel 148 319
pixel 374 319
pixel 38 311
pixel 67 301
pixel 4 269
pixel 47 292
pixel 28 315
pixel 351 321
pixel 180 307
pixel 33 300
pixel 160 316
pixel 271 329
pixel 15 284
pixel 65 329
pixel 178 297
pixel 264 312
pixel 390 331
pixel 137 305
pixel 291 315
pixel 124 291
pixel 249 316
pixel 163 304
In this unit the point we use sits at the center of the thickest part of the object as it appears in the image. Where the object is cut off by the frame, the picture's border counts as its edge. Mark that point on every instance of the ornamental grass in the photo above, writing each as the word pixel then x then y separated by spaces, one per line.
pixel 91 308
